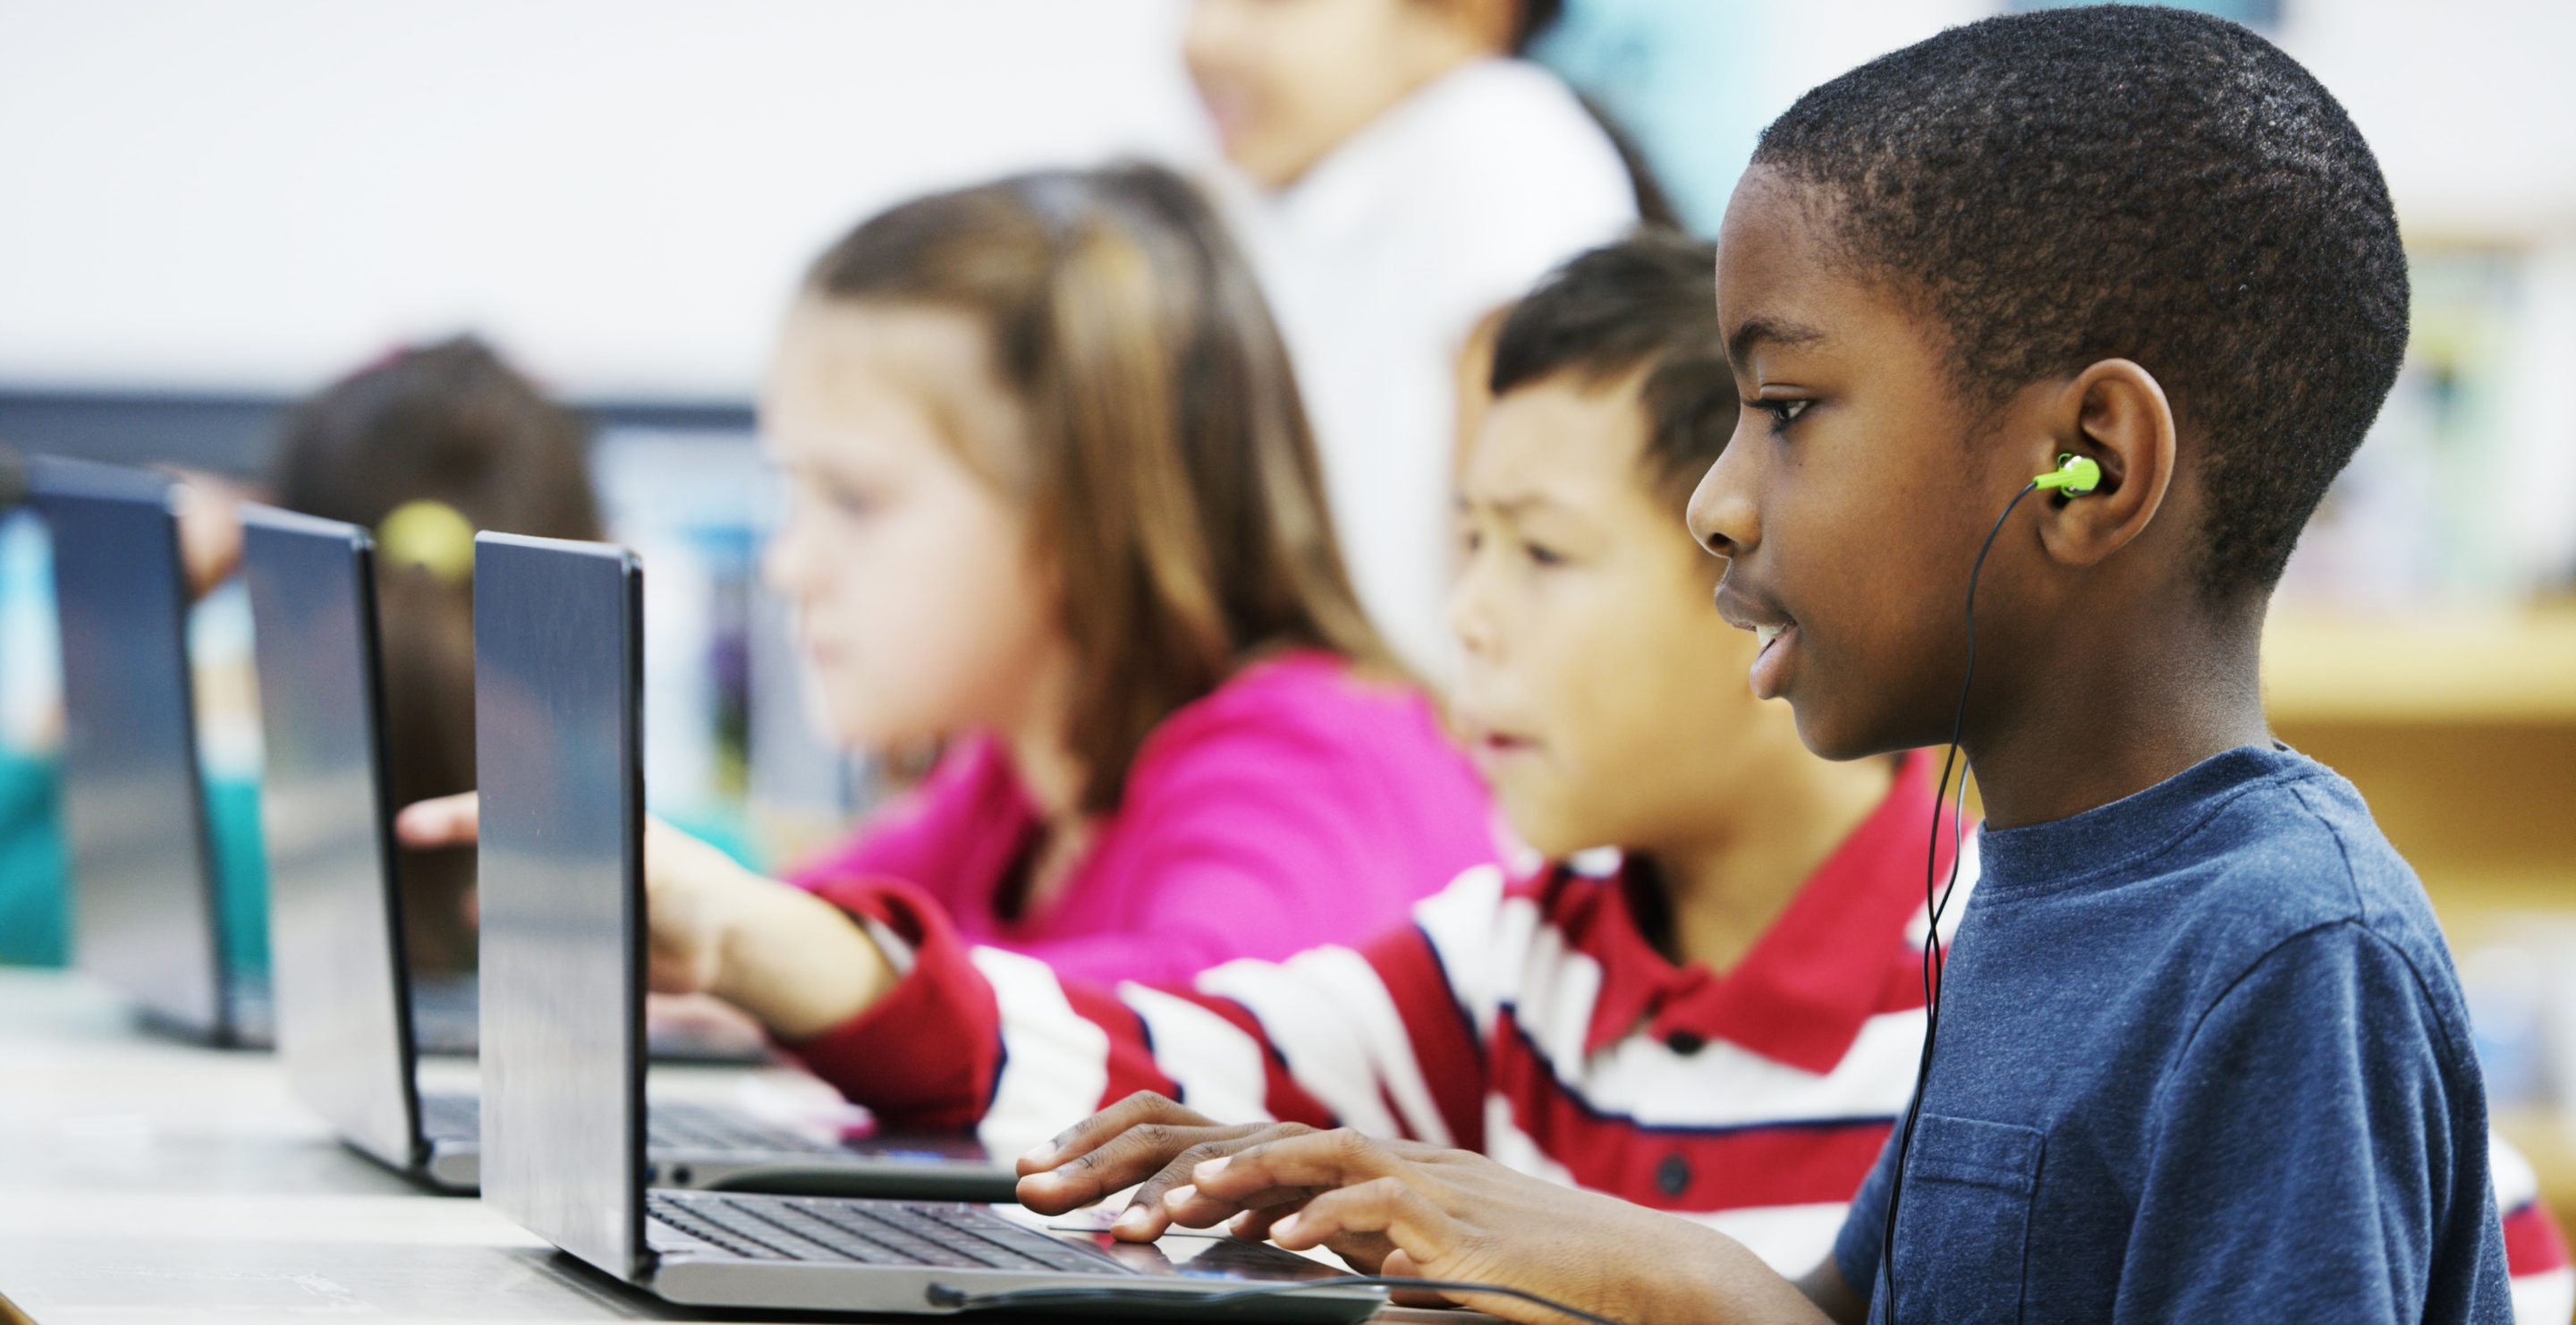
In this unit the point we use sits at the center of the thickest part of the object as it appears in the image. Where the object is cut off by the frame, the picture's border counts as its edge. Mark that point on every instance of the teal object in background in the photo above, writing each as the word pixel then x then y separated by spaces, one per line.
pixel 241 872
pixel 35 873
pixel 31 864
pixel 1660 68
pixel 35 877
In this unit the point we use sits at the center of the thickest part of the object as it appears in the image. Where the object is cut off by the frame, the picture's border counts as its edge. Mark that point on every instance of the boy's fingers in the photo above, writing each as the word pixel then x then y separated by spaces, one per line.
pixel 1255 1223
pixel 1139 1155
pixel 1400 1266
pixel 1137 1110
pixel 1338 1158
pixel 441 822
pixel 1378 1206
pixel 1188 1207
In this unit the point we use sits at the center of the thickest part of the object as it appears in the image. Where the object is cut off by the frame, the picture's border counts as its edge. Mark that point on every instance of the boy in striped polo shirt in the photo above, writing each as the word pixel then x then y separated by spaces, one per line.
pixel 1717 1014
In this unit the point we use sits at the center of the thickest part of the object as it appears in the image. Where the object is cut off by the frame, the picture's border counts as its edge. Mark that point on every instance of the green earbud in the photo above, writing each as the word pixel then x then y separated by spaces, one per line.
pixel 2074 476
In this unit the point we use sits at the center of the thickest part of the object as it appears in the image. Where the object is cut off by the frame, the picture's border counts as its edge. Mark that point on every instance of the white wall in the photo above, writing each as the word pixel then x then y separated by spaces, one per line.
pixel 2469 104
pixel 259 194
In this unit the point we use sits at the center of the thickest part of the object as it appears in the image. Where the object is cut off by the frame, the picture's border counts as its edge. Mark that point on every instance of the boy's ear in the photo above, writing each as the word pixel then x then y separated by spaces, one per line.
pixel 2115 413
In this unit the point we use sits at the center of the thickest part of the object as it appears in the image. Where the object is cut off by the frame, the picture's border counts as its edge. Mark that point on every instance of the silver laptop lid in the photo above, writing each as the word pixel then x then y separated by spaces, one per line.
pixel 144 911
pixel 558 732
pixel 335 930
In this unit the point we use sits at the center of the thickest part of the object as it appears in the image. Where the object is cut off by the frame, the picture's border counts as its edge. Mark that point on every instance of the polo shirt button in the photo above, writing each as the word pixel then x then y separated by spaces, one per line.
pixel 1685 1043
pixel 1673 1176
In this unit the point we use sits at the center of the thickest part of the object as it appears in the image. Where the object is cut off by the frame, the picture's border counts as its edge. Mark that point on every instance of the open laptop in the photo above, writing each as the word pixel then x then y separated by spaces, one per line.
pixel 326 802
pixel 583 616
pixel 350 1021
pixel 147 915
pixel 344 1005
pixel 557 725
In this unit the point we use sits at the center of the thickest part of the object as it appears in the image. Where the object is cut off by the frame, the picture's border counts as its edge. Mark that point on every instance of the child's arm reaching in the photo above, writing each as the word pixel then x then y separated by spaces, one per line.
pixel 871 987
pixel 795 962
pixel 1415 1210
pixel 1373 1037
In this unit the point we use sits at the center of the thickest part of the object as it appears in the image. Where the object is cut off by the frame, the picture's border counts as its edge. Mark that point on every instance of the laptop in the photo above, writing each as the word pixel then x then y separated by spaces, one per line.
pixel 590 628
pixel 351 1022
pixel 557 726
pixel 147 914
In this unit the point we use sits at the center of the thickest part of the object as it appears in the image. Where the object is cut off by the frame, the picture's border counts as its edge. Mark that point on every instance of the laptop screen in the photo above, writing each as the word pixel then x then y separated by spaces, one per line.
pixel 143 893
pixel 557 733
pixel 336 945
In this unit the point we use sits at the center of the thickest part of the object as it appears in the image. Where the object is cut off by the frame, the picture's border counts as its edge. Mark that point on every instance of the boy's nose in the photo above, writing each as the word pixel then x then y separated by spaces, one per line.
pixel 1469 622
pixel 1720 513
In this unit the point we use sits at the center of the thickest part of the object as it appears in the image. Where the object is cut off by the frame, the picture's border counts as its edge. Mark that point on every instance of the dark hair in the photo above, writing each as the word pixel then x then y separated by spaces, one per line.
pixel 1531 20
pixel 1644 304
pixel 1991 171
pixel 449 423
pixel 1169 469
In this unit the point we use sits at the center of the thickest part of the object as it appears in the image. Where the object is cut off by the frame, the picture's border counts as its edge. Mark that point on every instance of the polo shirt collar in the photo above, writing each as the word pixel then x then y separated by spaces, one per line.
pixel 1803 991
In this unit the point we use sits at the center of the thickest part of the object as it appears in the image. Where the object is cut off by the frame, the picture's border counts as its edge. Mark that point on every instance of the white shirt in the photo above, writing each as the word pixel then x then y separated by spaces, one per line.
pixel 1380 261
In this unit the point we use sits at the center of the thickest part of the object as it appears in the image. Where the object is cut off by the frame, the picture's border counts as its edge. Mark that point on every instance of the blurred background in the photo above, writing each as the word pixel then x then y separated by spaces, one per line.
pixel 215 210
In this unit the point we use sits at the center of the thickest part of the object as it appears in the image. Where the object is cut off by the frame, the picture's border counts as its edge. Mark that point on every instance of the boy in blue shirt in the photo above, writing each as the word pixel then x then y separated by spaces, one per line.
pixel 2201 1054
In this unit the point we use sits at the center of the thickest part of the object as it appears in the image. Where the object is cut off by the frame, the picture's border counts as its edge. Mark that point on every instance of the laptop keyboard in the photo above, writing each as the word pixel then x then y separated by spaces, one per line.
pixel 667 1126
pixel 697 1127
pixel 870 1233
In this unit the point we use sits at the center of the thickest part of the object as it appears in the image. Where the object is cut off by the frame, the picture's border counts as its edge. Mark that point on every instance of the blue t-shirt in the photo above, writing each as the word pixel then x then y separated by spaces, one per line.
pixel 2202 1058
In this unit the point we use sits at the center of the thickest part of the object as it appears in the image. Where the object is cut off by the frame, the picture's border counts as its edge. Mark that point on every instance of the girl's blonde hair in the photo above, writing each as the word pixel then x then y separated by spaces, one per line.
pixel 1168 467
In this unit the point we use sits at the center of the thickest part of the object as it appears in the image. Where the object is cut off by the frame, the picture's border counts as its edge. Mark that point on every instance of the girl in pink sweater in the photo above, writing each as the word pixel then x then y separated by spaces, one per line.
pixel 1054 507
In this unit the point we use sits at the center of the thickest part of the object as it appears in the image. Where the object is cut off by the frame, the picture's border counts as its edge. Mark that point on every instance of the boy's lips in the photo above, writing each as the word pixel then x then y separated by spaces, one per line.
pixel 1776 631
pixel 1487 747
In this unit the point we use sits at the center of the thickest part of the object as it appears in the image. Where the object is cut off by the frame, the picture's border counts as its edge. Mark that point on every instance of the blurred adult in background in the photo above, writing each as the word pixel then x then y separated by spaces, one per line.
pixel 1397 174
pixel 425 448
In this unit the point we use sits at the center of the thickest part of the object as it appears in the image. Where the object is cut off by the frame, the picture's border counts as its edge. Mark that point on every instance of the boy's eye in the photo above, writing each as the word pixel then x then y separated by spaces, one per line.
pixel 1782 412
pixel 1542 554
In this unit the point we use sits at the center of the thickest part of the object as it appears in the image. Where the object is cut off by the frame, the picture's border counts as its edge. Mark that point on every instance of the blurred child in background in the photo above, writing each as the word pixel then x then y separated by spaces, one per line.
pixel 425 448
pixel 1054 506
pixel 1398 174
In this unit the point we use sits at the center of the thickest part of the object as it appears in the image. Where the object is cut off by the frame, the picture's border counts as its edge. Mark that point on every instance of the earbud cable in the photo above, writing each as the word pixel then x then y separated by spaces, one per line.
pixel 1933 905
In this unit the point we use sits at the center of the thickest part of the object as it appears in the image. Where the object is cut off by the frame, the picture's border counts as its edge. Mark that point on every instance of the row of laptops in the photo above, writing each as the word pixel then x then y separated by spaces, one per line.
pixel 148 907
pixel 561 1137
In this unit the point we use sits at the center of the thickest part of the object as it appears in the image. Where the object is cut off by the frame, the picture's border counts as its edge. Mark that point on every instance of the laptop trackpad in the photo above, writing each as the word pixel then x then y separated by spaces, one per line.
pixel 1199 1256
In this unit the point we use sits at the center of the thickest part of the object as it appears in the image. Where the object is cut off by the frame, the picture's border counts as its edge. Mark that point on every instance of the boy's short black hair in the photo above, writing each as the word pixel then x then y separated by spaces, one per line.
pixel 2128 182
pixel 1643 303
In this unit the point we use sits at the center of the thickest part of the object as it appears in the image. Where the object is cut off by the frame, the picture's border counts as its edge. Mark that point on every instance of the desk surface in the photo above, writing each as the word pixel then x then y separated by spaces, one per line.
pixel 143 1180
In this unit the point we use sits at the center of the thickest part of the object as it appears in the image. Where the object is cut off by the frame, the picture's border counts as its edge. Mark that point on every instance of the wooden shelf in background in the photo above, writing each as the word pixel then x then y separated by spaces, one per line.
pixel 2447 665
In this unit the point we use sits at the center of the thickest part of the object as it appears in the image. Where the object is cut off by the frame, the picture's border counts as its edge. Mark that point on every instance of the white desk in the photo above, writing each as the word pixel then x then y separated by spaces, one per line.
pixel 143 1180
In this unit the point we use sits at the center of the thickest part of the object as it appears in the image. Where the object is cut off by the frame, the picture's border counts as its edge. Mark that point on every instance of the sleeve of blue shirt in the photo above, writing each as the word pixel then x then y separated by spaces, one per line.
pixel 2303 1161
pixel 2315 1156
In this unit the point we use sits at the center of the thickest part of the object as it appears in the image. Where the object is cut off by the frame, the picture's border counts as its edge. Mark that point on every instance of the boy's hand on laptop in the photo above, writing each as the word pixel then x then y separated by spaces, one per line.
pixel 1404 1208
pixel 787 957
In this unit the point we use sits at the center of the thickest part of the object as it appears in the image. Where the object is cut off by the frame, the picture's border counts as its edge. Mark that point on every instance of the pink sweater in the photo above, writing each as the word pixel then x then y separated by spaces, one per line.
pixel 1294 806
